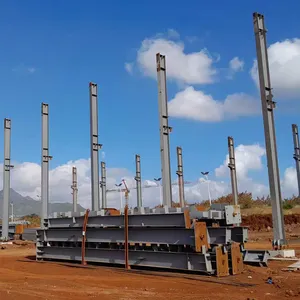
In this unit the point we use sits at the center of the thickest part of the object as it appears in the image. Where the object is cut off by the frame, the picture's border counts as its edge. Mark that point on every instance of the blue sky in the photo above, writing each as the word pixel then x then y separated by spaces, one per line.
pixel 51 50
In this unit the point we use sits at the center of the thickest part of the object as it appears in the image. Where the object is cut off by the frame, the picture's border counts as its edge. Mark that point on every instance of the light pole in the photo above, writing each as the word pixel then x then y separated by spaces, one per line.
pixel 120 189
pixel 205 174
pixel 158 181
pixel 12 211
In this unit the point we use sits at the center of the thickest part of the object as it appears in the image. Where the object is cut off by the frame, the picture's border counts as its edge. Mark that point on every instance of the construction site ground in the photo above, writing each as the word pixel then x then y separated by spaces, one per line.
pixel 21 277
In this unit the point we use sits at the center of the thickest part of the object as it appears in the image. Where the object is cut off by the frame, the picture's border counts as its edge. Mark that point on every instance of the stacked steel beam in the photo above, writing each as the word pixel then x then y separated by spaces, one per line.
pixel 187 239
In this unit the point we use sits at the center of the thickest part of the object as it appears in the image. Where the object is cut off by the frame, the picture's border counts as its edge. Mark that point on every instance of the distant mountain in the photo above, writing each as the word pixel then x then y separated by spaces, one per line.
pixel 26 206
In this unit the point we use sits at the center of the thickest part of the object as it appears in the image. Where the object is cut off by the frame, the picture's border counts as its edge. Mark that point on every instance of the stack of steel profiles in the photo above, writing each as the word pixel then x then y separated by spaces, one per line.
pixel 160 238
pixel 11 230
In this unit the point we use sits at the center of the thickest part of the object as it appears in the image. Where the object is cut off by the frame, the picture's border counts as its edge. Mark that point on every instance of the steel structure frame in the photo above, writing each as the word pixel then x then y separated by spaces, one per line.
pixel 138 180
pixel 268 106
pixel 95 146
pixel 103 184
pixel 180 177
pixel 6 179
pixel 296 153
pixel 232 168
pixel 165 130
pixel 74 188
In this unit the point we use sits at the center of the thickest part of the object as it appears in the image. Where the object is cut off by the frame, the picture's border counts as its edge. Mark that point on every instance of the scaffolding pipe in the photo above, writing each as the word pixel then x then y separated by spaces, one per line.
pixel 45 164
pixel 6 178
pixel 164 130
pixel 180 177
pixel 270 137
pixel 103 184
pixel 296 153
pixel 232 168
pixel 74 188
pixel 95 146
pixel 138 180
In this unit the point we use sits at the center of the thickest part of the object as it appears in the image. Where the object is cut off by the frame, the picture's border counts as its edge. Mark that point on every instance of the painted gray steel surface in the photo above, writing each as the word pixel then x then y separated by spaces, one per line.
pixel 296 153
pixel 180 177
pixel 138 180
pixel 270 137
pixel 74 188
pixel 103 184
pixel 232 168
pixel 164 130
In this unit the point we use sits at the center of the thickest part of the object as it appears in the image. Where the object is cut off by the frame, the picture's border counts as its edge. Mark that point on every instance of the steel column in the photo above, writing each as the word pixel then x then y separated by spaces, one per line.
pixel 74 188
pixel 232 168
pixel 296 154
pixel 6 178
pixel 180 177
pixel 138 180
pixel 270 138
pixel 95 146
pixel 164 130
pixel 103 184
pixel 45 163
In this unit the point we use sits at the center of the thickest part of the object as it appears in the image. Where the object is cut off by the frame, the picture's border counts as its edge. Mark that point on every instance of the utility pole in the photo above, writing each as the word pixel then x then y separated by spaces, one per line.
pixel 74 188
pixel 180 176
pixel 138 181
pixel 103 184
pixel 232 168
pixel 95 146
pixel 164 130
pixel 270 138
pixel 45 163
pixel 6 178
pixel 296 153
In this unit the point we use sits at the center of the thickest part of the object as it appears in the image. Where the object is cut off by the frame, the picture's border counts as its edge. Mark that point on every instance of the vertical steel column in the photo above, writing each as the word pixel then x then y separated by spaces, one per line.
pixel 6 178
pixel 270 138
pixel 232 168
pixel 296 153
pixel 164 130
pixel 45 163
pixel 95 146
pixel 138 181
pixel 180 176
pixel 74 188
pixel 103 184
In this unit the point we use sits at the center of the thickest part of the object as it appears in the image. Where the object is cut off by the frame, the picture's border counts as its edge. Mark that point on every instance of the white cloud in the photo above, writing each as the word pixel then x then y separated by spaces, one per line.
pixel 129 67
pixel 289 183
pixel 236 64
pixel 196 105
pixel 23 69
pixel 190 68
pixel 284 63
pixel 173 34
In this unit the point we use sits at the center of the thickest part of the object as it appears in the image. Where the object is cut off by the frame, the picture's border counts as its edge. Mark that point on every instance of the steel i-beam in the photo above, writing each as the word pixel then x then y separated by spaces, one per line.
pixel 74 188
pixel 138 181
pixel 180 177
pixel 270 138
pixel 95 146
pixel 164 130
pixel 296 153
pixel 6 178
pixel 232 168
pixel 103 184
pixel 45 163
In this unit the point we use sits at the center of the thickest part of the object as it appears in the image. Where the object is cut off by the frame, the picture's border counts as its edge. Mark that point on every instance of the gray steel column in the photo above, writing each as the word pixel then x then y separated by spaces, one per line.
pixel 74 188
pixel 164 130
pixel 138 180
pixel 6 178
pixel 45 163
pixel 232 168
pixel 95 146
pixel 103 184
pixel 270 138
pixel 296 153
pixel 180 176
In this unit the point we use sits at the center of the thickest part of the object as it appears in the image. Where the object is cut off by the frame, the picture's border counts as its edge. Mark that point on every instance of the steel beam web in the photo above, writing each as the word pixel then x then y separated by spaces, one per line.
pixel 103 184
pixel 95 146
pixel 232 168
pixel 45 163
pixel 180 176
pixel 270 138
pixel 138 180
pixel 296 153
pixel 164 130
pixel 74 188
pixel 6 178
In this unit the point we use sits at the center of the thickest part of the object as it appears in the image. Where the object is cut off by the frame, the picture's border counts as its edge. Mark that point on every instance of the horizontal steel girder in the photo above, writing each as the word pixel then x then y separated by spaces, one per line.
pixel 154 235
pixel 173 260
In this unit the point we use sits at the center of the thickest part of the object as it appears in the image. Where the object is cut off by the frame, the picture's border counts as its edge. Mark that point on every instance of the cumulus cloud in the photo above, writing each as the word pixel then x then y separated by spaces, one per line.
pixel 235 65
pixel 289 182
pixel 129 67
pixel 198 106
pixel 284 63
pixel 189 68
